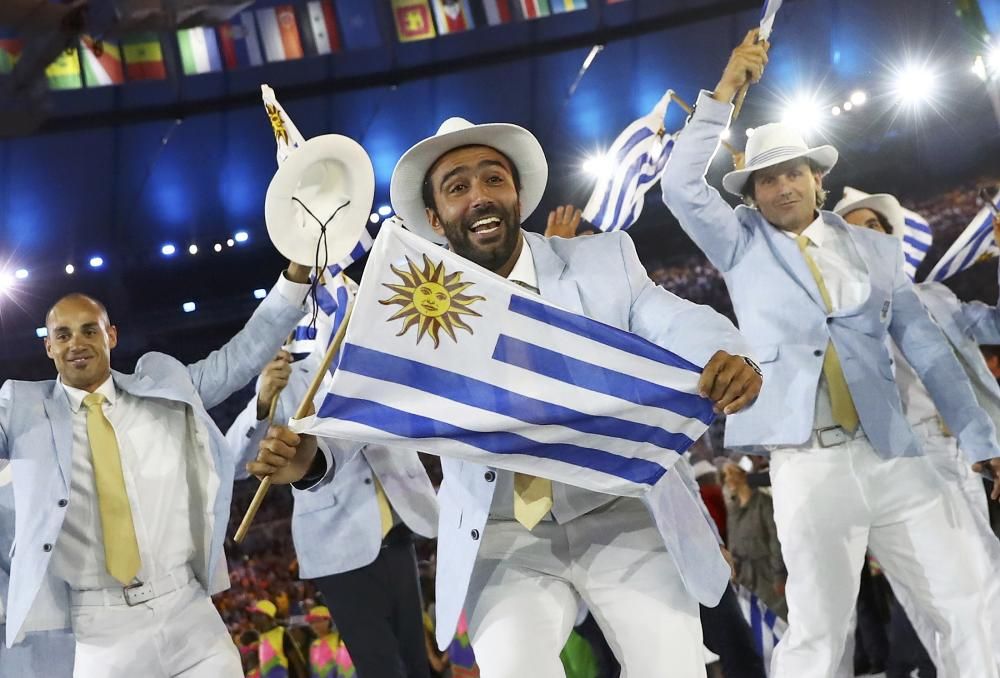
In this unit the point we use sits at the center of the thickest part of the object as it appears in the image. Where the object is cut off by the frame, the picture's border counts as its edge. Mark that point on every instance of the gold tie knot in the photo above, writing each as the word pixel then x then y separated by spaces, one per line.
pixel 802 241
pixel 94 400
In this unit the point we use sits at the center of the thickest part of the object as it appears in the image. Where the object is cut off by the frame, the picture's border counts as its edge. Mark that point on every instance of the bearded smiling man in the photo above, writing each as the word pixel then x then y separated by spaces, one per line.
pixel 519 553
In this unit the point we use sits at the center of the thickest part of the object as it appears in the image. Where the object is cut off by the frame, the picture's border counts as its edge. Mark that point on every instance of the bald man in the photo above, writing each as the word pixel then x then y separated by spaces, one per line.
pixel 122 487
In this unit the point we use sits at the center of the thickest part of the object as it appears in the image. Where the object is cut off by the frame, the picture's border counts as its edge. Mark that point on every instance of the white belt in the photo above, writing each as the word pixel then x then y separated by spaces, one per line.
pixel 137 593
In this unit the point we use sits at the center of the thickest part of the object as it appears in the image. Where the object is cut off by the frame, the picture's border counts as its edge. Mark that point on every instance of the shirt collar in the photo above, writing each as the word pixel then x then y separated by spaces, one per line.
pixel 818 232
pixel 76 395
pixel 524 267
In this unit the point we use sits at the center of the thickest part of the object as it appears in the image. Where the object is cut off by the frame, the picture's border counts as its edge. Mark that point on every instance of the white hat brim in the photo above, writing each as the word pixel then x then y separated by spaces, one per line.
pixel 824 156
pixel 296 234
pixel 517 143
pixel 883 203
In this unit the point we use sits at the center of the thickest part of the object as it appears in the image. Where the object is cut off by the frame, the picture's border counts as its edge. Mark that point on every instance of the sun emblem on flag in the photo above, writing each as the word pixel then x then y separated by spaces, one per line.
pixel 432 300
pixel 277 123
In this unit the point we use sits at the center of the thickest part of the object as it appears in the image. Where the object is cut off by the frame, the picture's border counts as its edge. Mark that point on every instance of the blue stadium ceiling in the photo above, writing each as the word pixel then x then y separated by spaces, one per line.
pixel 117 171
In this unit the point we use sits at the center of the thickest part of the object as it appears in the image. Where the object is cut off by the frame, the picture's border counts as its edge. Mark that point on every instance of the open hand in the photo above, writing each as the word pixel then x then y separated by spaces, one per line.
pixel 563 222
pixel 991 469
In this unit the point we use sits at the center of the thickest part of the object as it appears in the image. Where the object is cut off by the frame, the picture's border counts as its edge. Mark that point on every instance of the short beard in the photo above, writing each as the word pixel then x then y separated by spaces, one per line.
pixel 460 241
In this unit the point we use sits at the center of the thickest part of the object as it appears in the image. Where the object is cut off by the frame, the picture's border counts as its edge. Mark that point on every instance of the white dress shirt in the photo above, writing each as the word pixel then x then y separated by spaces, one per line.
pixel 846 278
pixel 568 501
pixel 917 402
pixel 152 437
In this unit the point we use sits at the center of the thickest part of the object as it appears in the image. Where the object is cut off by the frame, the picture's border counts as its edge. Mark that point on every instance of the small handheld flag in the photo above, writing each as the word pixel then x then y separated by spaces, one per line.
pixel 975 244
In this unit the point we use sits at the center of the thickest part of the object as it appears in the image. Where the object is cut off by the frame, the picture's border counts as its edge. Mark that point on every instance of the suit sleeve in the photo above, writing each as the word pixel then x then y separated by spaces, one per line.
pixel 6 398
pixel 703 214
pixel 928 351
pixel 690 330
pixel 244 356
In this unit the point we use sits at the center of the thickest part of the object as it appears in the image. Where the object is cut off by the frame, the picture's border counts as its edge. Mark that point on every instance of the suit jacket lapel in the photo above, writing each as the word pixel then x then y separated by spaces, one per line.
pixel 787 252
pixel 60 417
pixel 551 270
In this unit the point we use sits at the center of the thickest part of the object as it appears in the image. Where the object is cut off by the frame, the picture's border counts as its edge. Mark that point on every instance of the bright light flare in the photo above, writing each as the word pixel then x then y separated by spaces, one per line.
pixel 595 164
pixel 385 210
pixel 21 273
pixel 241 236
pixel 859 98
pixel 374 218
pixel 804 114
pixel 914 84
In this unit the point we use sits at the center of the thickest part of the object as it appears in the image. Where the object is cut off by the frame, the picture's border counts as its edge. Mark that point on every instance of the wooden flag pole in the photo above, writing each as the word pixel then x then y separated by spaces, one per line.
pixel 689 110
pixel 304 406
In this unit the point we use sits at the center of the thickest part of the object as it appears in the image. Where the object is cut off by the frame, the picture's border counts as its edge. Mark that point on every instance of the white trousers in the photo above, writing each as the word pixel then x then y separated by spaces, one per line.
pixel 526 586
pixel 829 506
pixel 176 635
pixel 971 513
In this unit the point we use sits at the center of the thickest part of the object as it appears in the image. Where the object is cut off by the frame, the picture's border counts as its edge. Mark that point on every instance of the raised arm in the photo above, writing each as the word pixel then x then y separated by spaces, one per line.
pixel 703 214
pixel 5 408
pixel 244 356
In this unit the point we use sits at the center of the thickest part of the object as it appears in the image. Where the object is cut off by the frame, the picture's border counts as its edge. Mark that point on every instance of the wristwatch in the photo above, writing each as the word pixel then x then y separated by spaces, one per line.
pixel 754 366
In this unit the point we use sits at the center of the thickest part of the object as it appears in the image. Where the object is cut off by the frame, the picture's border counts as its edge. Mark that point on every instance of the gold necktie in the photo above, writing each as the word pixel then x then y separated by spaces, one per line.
pixel 845 414
pixel 121 549
pixel 532 499
pixel 384 510
pixel 532 495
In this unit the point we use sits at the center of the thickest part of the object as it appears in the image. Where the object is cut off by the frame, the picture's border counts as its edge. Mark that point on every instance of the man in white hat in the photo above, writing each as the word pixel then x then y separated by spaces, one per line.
pixel 519 552
pixel 966 326
pixel 122 487
pixel 818 301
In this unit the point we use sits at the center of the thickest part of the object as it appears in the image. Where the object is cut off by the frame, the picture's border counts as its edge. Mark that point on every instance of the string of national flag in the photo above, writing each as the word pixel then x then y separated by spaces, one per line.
pixel 271 34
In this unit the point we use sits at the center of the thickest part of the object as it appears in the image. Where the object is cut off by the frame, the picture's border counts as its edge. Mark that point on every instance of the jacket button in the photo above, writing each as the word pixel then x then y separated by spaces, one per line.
pixel 817 353
pixel 368 481
pixel 490 476
pixel 62 503
pixel 47 548
pixel 829 321
pixel 475 535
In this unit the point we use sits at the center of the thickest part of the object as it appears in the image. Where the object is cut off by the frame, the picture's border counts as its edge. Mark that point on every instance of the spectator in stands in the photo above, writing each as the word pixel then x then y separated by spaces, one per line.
pixel 753 540
pixel 280 656
pixel 323 650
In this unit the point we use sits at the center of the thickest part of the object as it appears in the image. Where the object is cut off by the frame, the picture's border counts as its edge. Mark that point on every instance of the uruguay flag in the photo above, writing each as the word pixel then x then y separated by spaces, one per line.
pixel 767 15
pixel 632 166
pixel 917 241
pixel 975 244
pixel 766 627
pixel 446 357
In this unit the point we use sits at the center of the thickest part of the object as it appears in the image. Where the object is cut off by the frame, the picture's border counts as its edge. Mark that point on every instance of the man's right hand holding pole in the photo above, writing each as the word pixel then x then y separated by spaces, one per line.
pixel 284 455
pixel 746 66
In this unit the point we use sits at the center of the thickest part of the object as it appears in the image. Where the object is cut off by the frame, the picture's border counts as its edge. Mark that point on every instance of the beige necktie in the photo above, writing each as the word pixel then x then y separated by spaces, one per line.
pixel 384 510
pixel 845 414
pixel 532 495
pixel 121 549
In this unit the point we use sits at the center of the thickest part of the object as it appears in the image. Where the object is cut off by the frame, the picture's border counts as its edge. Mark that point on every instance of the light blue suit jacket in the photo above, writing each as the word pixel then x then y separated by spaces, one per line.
pixel 36 435
pixel 780 311
pixel 967 325
pixel 44 653
pixel 336 525
pixel 601 277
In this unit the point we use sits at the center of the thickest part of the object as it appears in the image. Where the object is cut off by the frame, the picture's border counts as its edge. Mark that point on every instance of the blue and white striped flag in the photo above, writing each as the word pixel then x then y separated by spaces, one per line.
pixel 446 357
pixel 975 244
pixel 333 296
pixel 632 166
pixel 286 134
pixel 766 627
pixel 917 241
pixel 767 15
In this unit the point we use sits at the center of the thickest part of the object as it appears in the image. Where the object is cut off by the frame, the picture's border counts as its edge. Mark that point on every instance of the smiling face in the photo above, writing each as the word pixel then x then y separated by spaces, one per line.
pixel 476 206
pixel 432 299
pixel 79 342
pixel 786 194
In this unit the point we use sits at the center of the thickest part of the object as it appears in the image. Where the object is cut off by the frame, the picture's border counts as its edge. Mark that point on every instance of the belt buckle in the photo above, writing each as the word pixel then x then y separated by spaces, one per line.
pixel 840 436
pixel 136 587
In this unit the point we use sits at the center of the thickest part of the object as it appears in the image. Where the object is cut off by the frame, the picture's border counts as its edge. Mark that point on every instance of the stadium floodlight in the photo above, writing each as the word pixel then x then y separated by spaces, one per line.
pixel 230 242
pixel 217 247
pixel 6 282
pixel 70 269
pixel 241 236
pixel 374 218
pixel 96 262
pixel 168 250
pixel 595 164
pixel 859 98
pixel 193 249
pixel 21 273
pixel 188 306
pixel 835 111
pixel 848 106
pixel 804 114
pixel 385 210
pixel 41 332
pixel 914 84
pixel 259 293
pixel 979 68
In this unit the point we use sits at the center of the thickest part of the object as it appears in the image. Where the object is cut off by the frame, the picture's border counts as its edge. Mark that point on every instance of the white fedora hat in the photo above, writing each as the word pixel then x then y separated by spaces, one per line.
pixel 517 143
pixel 327 175
pixel 774 144
pixel 883 203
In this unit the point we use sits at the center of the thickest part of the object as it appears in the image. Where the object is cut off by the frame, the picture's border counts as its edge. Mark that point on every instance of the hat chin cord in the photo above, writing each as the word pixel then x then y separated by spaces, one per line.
pixel 318 269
